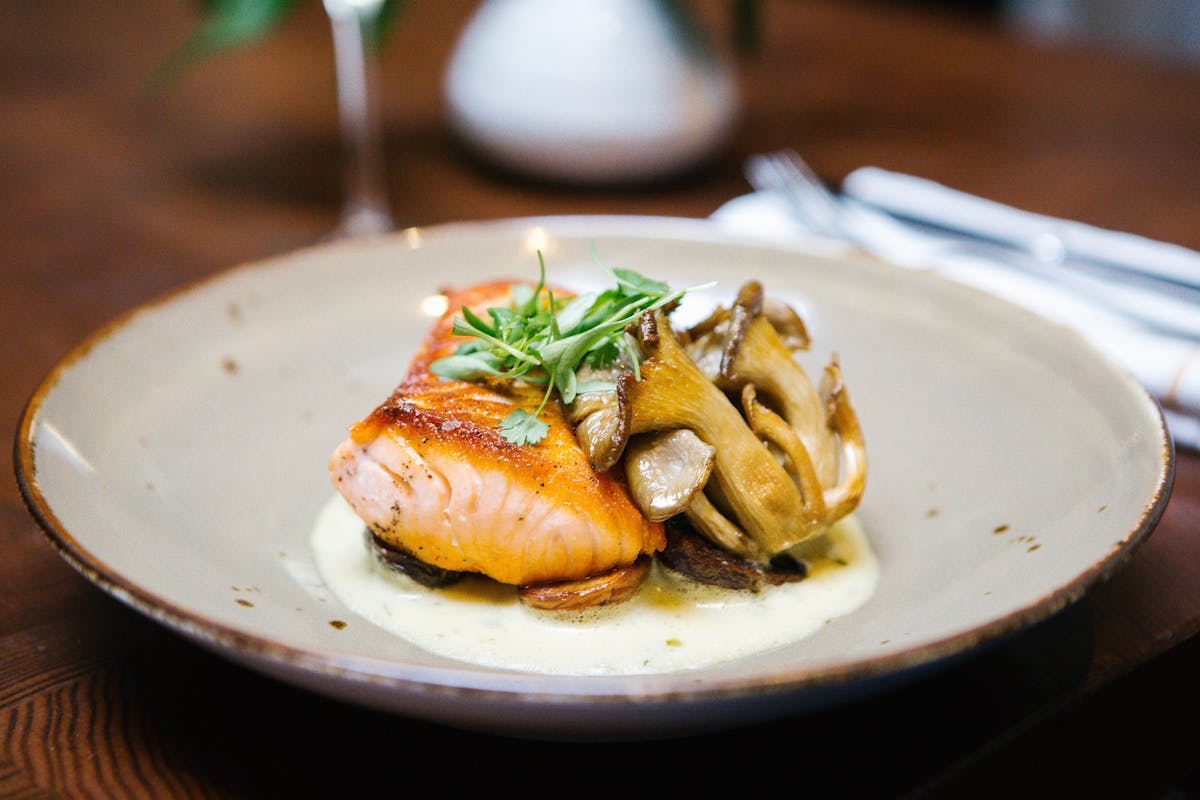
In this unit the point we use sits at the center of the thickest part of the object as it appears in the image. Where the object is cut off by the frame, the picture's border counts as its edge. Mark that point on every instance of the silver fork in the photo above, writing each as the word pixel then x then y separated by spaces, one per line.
pixel 817 208
pixel 824 213
pixel 783 171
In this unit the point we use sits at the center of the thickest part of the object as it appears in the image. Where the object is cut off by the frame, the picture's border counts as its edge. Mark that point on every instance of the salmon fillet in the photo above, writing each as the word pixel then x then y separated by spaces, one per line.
pixel 429 472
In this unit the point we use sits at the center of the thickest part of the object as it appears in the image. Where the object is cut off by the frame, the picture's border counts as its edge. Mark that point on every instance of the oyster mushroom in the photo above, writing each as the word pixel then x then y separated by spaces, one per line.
pixel 787 323
pixel 601 417
pixel 775 430
pixel 710 523
pixel 724 428
pixel 753 352
pixel 843 497
pixel 665 470
pixel 822 422
pixel 672 394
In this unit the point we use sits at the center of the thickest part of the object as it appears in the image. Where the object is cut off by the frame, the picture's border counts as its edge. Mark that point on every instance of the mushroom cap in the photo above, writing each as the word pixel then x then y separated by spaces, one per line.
pixel 666 469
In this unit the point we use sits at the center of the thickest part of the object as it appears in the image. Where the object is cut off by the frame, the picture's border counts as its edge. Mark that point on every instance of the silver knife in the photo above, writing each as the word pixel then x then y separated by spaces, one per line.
pixel 1049 239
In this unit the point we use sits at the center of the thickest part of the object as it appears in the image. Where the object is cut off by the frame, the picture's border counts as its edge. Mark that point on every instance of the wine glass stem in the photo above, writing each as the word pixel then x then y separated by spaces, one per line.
pixel 365 206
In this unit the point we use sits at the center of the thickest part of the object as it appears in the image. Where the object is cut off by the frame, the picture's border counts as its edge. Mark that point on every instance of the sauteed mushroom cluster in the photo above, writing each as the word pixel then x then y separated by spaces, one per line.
pixel 723 428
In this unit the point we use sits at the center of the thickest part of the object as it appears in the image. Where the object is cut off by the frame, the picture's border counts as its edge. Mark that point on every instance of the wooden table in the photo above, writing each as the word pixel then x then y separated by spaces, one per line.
pixel 114 195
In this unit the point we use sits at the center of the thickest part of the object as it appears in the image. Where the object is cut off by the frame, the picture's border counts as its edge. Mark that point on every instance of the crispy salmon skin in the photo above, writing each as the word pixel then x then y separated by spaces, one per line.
pixel 429 472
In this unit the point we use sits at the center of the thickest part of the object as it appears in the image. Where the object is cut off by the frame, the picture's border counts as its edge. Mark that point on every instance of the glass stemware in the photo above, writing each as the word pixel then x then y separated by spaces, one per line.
pixel 365 205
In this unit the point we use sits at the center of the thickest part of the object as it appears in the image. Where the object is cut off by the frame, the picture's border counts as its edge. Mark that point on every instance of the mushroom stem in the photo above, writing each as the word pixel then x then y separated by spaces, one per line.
pixel 717 528
pixel 673 393
pixel 753 352
pixel 775 431
pixel 843 497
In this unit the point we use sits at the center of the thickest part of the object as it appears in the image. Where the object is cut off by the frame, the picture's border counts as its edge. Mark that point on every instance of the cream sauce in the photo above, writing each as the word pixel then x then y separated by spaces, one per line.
pixel 670 624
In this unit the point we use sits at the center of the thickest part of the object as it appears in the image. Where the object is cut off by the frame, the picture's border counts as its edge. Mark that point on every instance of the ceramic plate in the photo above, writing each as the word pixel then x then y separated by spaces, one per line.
pixel 178 459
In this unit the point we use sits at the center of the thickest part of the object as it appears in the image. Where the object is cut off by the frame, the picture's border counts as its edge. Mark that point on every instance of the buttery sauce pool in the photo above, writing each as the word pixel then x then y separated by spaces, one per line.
pixel 670 624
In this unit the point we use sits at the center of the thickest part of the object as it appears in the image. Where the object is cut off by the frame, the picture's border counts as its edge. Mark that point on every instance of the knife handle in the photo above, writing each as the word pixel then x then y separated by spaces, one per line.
pixel 1050 239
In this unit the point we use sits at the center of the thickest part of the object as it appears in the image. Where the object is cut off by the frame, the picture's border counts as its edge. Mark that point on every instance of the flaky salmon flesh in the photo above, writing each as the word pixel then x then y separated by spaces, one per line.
pixel 429 472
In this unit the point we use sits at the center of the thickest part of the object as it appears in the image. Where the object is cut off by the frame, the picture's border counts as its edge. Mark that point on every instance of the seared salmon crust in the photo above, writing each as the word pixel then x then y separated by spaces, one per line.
pixel 429 472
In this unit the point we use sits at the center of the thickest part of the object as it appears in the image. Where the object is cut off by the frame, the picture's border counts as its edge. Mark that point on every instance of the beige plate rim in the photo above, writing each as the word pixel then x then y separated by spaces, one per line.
pixel 376 683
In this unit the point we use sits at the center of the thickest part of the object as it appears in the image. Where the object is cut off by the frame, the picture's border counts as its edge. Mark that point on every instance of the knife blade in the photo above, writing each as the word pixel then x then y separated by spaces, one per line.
pixel 1050 239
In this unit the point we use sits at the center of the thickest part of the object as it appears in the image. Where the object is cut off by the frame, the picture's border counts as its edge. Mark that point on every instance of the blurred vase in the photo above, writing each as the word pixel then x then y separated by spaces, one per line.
pixel 590 91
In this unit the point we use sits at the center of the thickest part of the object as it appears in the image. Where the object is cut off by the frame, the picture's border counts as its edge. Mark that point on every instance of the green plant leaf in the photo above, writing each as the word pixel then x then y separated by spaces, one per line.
pixel 520 427
pixel 632 281
pixel 224 25
pixel 468 367
pixel 588 387
pixel 229 24
pixel 544 340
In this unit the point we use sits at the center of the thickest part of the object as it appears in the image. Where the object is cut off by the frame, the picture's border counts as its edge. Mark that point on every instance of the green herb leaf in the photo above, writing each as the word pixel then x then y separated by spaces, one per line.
pixel 639 283
pixel 520 427
pixel 475 322
pixel 572 314
pixel 544 340
pixel 589 387
pixel 228 24
pixel 564 379
pixel 468 367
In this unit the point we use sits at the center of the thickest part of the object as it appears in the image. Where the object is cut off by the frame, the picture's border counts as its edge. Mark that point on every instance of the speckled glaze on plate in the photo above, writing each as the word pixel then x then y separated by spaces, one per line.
pixel 177 458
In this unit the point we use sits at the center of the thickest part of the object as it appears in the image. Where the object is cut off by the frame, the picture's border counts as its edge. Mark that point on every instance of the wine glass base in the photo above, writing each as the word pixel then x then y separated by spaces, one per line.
pixel 364 221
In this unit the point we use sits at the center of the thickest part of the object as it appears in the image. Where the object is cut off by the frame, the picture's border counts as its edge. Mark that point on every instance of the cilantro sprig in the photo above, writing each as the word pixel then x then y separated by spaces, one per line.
pixel 544 340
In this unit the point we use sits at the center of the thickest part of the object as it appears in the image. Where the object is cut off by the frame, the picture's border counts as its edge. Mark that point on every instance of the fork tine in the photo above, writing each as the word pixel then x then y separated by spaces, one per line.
pixel 790 163
pixel 786 172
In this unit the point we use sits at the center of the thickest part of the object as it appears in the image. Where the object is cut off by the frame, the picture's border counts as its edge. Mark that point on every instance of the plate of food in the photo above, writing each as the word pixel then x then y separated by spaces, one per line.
pixel 590 477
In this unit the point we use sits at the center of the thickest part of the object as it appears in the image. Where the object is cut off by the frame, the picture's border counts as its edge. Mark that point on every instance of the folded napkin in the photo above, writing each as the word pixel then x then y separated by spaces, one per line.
pixel 1167 365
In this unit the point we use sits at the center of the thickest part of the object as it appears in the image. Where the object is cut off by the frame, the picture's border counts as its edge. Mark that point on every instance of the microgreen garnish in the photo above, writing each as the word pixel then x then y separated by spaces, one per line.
pixel 543 339
pixel 521 427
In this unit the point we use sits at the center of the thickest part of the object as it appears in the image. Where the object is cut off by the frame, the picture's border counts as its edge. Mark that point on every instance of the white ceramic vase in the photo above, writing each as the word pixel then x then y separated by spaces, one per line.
pixel 589 91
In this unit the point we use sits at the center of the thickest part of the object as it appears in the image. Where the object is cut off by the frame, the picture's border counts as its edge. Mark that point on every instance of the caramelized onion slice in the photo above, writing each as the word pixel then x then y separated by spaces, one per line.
pixel 615 586
pixel 401 560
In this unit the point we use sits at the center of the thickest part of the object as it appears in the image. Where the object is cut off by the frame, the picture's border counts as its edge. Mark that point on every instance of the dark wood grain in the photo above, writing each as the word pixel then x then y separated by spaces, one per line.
pixel 115 194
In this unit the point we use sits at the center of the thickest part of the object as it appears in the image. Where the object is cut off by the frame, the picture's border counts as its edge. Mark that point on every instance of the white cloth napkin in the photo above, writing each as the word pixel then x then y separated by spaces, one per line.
pixel 1168 366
